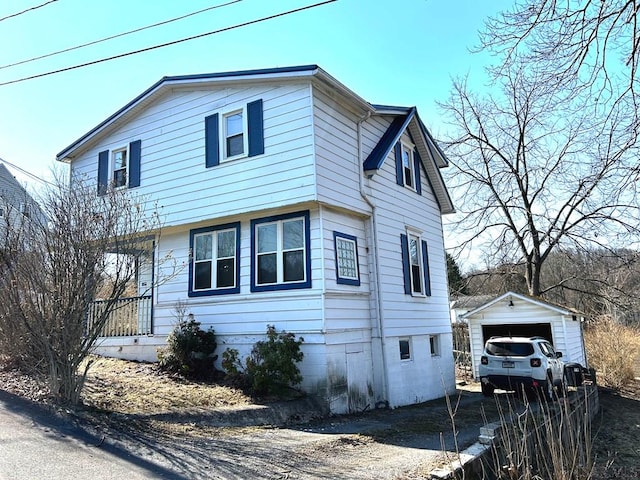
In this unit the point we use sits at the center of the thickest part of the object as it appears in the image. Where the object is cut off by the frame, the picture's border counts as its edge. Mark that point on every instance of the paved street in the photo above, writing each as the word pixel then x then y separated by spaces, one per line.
pixel 37 445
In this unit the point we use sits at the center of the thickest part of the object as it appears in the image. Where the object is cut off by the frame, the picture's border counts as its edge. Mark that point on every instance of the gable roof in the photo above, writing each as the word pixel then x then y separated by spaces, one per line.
pixel 525 298
pixel 471 302
pixel 406 118
pixel 432 157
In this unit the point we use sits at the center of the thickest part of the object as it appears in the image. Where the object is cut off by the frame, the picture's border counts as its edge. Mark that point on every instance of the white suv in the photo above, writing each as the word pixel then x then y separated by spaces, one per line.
pixel 514 363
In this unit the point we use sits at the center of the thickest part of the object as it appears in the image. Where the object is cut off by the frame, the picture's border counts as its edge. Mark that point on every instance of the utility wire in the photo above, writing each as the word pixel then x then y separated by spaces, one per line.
pixel 77 47
pixel 28 174
pixel 174 42
pixel 27 10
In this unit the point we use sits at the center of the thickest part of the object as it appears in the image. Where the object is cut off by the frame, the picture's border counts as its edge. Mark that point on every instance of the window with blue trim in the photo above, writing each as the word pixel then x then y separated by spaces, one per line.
pixel 346 253
pixel 415 265
pixel 280 252
pixel 408 174
pixel 215 251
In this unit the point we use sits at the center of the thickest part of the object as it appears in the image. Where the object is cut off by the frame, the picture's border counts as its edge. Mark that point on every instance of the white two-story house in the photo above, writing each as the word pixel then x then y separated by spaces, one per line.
pixel 290 201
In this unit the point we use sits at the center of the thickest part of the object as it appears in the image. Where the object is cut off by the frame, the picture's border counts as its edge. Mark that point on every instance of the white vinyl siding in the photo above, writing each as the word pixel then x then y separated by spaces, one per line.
pixel 173 168
pixel 336 149
pixel 399 210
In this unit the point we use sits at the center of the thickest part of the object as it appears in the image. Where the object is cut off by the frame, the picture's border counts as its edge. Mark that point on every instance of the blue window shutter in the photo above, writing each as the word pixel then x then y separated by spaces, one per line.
pixel 425 266
pixel 399 169
pixel 255 128
pixel 135 149
pixel 211 141
pixel 406 268
pixel 103 172
pixel 417 168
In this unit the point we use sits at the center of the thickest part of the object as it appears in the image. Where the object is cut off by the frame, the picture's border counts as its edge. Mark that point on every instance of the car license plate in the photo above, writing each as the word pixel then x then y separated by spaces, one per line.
pixel 508 364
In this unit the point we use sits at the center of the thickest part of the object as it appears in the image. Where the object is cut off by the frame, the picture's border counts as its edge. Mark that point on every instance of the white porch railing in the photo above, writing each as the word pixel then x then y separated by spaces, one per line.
pixel 131 316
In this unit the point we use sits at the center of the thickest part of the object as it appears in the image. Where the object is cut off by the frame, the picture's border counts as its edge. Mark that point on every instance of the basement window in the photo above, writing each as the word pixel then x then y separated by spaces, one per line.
pixel 405 349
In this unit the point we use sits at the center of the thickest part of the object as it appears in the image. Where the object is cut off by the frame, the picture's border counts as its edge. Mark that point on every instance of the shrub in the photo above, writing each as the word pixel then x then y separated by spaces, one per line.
pixel 190 350
pixel 612 349
pixel 271 368
pixel 231 362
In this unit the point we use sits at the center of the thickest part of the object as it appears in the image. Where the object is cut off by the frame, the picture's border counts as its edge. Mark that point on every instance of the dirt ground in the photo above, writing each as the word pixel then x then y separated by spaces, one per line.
pixel 164 420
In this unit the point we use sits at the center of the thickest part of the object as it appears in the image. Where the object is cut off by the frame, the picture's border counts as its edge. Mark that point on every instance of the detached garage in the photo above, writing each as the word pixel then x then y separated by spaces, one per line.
pixel 516 315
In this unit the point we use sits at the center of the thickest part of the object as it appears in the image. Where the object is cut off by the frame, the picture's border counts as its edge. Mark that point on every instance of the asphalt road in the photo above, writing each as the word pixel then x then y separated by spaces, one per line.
pixel 36 444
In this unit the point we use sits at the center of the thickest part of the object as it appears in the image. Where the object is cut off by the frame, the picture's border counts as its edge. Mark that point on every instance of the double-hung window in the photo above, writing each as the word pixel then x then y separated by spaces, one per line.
pixel 119 167
pixel 415 264
pixel 280 252
pixel 408 166
pixel 346 249
pixel 408 174
pixel 234 128
pixel 119 161
pixel 214 266
pixel 233 133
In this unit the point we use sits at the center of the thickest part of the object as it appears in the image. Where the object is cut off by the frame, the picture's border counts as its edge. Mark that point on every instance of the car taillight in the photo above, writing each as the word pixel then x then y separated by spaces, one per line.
pixel 484 360
pixel 535 362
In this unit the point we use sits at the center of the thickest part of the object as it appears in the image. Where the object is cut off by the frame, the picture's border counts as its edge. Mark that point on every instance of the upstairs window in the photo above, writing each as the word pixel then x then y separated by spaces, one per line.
pixel 120 167
pixel 234 134
pixel 119 161
pixel 408 166
pixel 280 252
pixel 214 266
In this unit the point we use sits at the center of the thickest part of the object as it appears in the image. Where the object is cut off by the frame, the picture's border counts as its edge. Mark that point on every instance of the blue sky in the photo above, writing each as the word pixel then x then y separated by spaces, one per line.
pixel 401 52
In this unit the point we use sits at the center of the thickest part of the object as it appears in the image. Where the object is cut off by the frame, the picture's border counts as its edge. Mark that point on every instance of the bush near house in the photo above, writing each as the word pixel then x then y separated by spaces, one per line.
pixel 190 350
pixel 271 367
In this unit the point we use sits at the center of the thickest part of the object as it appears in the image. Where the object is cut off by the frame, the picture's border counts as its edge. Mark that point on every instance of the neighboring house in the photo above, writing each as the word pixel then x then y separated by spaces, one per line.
pixel 513 314
pixel 293 202
pixel 16 205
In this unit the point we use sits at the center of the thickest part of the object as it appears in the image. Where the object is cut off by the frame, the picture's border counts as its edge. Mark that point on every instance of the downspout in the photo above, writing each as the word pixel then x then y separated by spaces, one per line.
pixel 374 244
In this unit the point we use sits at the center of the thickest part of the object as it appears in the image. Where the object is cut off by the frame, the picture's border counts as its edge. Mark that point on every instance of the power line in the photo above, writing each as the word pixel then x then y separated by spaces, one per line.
pixel 174 42
pixel 28 174
pixel 77 47
pixel 27 10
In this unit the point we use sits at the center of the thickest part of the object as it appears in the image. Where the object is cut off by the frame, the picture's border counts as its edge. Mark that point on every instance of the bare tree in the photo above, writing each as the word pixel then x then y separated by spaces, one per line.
pixel 597 282
pixel 589 45
pixel 536 170
pixel 54 267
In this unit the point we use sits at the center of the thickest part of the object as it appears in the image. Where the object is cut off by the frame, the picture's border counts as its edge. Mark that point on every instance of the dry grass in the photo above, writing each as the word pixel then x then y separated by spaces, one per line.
pixel 142 388
pixel 613 350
